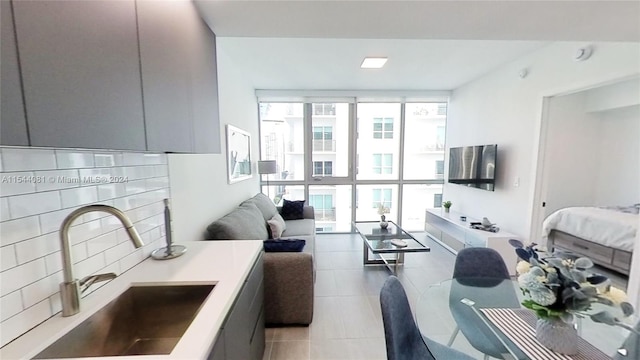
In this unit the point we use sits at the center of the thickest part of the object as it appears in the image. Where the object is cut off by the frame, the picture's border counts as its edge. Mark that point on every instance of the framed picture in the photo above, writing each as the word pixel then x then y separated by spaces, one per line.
pixel 238 154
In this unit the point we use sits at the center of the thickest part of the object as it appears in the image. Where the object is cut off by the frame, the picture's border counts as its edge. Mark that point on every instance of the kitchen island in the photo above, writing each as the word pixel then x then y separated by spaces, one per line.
pixel 227 264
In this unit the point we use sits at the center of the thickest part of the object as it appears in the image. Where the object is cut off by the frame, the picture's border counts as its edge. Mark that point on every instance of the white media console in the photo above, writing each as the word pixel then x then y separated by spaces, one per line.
pixel 455 234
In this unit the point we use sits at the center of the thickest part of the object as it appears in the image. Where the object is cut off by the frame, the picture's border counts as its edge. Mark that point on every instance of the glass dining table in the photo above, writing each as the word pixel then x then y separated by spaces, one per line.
pixel 469 305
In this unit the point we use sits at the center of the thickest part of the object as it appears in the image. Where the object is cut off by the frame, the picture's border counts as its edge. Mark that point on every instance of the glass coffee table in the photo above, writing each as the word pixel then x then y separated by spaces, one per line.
pixel 379 243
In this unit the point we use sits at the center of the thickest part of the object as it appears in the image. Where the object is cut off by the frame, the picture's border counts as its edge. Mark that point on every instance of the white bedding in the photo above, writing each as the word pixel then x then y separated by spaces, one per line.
pixel 603 226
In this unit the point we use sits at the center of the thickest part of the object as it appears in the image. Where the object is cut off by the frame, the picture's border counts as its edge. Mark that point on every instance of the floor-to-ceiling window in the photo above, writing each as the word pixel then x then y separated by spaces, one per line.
pixel 354 160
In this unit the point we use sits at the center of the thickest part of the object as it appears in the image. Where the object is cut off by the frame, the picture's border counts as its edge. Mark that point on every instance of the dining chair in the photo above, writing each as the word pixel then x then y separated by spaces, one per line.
pixel 402 337
pixel 471 265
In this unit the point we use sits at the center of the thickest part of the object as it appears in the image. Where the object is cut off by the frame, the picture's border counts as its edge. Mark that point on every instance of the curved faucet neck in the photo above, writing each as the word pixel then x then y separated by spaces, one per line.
pixel 66 224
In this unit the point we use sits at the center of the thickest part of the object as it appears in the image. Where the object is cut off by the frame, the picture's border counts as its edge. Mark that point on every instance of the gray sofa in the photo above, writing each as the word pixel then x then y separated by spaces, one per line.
pixel 288 276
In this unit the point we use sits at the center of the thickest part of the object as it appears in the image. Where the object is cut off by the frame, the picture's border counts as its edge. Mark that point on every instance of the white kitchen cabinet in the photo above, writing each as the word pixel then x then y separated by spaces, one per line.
pixel 449 230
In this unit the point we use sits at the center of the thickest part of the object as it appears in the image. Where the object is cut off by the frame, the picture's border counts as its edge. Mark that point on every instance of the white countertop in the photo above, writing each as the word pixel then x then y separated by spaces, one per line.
pixel 226 263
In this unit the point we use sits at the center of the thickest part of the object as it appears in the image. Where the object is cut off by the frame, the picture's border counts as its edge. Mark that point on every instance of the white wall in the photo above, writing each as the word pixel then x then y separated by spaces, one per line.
pixel 200 192
pixel 502 108
pixel 618 181
pixel 572 137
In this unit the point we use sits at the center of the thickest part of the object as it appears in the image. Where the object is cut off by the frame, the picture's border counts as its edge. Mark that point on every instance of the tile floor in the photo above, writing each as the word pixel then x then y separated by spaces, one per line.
pixel 347 322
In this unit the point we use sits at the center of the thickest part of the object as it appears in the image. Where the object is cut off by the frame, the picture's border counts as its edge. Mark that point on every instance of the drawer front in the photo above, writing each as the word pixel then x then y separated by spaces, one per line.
pixel 433 231
pixel 622 259
pixel 595 251
pixel 452 242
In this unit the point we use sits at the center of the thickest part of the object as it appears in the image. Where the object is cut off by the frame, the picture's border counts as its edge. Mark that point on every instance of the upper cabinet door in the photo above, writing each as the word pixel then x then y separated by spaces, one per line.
pixel 81 73
pixel 14 124
pixel 204 84
pixel 178 59
pixel 164 37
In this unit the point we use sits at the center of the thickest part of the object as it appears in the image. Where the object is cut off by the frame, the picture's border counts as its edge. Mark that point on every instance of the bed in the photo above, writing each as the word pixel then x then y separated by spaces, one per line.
pixel 606 235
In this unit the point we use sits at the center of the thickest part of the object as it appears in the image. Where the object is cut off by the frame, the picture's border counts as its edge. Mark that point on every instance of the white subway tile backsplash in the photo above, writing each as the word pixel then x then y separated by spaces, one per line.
pixel 135 186
pixel 79 196
pixel 57 180
pixel 33 204
pixel 132 158
pixel 4 209
pixel 21 276
pixel 56 303
pixel 38 247
pixel 17 183
pixel 51 221
pixel 131 260
pixel 101 243
pixel 111 191
pixel 22 322
pixel 22 159
pixel 13 231
pixel 108 159
pixel 8 257
pixel 41 289
pixel 53 262
pixel 84 232
pixel 154 159
pixel 10 305
pixel 53 183
pixel 68 159
pixel 90 265
pixel 79 251
pixel 116 253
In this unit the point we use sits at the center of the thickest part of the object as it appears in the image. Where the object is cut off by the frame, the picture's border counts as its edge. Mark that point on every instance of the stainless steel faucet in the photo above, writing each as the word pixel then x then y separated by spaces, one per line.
pixel 70 288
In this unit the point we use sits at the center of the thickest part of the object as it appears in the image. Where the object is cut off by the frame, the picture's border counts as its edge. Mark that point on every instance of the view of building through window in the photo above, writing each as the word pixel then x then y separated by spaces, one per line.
pixel 342 185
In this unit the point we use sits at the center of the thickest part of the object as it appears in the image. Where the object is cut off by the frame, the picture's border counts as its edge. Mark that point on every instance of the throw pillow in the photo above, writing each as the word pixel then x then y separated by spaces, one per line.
pixel 292 210
pixel 284 245
pixel 276 226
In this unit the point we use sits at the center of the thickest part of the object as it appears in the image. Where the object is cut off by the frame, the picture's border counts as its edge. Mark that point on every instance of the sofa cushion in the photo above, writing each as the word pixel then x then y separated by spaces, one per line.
pixel 264 204
pixel 292 210
pixel 284 245
pixel 276 225
pixel 299 227
pixel 244 223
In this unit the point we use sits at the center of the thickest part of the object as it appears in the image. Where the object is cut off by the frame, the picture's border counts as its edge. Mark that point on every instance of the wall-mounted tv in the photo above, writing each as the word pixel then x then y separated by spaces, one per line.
pixel 473 166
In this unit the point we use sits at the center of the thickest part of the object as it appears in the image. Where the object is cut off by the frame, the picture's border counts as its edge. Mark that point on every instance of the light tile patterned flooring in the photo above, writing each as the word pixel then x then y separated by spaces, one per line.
pixel 347 321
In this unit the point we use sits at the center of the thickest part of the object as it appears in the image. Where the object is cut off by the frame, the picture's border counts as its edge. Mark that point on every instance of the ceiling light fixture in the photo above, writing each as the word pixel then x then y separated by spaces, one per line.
pixel 373 62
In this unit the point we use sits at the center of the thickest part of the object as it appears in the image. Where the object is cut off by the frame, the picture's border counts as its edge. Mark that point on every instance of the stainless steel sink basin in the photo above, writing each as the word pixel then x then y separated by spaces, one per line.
pixel 144 320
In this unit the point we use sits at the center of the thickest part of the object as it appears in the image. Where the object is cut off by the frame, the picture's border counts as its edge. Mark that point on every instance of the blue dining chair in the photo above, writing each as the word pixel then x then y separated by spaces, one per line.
pixel 401 334
pixel 471 266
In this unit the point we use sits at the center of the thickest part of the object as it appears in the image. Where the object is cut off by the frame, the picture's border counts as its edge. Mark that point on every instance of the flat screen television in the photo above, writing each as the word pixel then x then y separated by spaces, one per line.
pixel 473 166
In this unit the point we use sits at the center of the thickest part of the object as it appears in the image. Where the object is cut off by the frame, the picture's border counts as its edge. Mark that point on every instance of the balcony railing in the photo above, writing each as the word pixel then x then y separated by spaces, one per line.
pixel 324 145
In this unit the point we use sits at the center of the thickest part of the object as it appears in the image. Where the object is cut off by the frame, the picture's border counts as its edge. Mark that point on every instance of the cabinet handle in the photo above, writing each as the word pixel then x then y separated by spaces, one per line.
pixel 580 246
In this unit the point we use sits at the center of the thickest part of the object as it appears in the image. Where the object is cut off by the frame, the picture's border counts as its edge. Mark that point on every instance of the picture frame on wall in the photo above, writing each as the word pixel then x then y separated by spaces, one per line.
pixel 238 154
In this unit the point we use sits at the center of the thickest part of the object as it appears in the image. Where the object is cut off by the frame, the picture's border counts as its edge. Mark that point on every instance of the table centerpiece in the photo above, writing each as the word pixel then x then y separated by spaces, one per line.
pixel 561 289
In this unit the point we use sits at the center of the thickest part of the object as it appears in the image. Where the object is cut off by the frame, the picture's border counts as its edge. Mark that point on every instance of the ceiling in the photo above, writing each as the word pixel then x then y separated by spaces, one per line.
pixel 431 45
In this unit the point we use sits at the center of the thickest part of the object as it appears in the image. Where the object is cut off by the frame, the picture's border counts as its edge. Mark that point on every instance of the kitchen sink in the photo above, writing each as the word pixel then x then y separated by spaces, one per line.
pixel 143 320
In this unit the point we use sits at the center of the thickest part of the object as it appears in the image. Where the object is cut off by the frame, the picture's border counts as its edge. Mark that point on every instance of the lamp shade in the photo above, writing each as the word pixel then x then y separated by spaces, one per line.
pixel 267 167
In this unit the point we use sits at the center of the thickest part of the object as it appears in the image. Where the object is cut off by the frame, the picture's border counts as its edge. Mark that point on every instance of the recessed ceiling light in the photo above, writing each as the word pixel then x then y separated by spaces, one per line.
pixel 373 62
